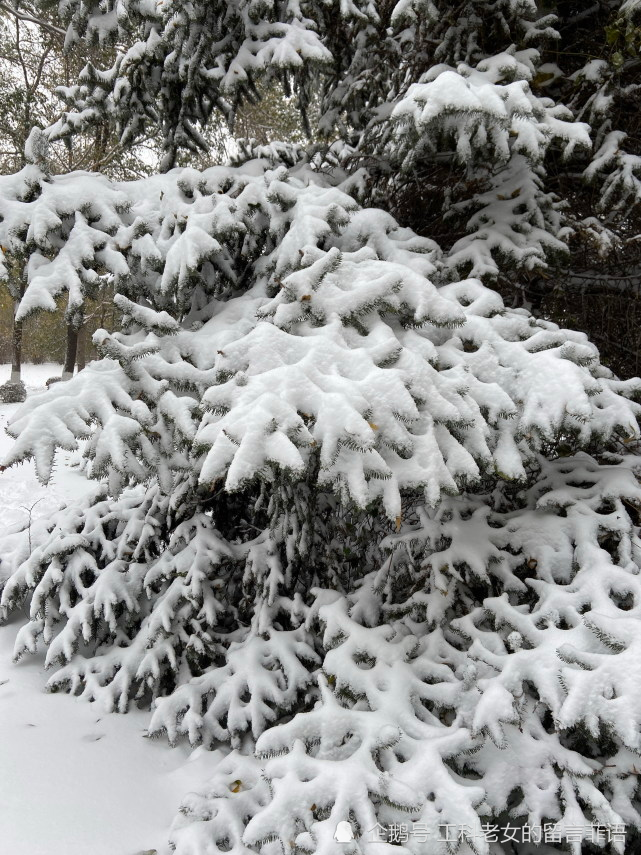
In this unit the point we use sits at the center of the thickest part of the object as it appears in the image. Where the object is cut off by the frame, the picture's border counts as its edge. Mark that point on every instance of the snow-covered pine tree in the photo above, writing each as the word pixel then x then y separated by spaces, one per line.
pixel 457 142
pixel 55 237
pixel 599 78
pixel 483 170
pixel 186 62
pixel 332 530
pixel 357 525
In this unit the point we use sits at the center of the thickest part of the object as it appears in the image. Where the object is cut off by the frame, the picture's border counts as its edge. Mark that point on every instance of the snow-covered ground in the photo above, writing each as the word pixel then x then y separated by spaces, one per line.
pixel 74 780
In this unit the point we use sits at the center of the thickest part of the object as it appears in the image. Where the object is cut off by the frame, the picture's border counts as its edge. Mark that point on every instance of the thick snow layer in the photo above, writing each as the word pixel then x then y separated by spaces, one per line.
pixel 74 780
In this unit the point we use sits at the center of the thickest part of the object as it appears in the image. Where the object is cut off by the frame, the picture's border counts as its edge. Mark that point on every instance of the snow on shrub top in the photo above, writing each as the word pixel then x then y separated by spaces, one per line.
pixel 279 319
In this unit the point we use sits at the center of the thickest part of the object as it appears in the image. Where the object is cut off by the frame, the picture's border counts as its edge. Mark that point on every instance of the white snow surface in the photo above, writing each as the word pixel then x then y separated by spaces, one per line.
pixel 73 779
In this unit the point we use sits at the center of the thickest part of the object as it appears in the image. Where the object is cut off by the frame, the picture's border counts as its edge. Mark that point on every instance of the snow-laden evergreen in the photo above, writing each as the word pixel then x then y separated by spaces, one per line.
pixel 501 133
pixel 365 62
pixel 371 534
pixel 55 235
pixel 187 62
pixel 356 523
pixel 438 707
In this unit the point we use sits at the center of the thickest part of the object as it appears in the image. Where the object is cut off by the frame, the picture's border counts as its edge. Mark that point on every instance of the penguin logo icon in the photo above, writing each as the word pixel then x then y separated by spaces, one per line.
pixel 344 832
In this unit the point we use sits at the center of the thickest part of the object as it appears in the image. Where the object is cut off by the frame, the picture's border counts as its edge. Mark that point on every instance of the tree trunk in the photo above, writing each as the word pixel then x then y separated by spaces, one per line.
pixel 103 307
pixel 70 356
pixel 81 359
pixel 16 347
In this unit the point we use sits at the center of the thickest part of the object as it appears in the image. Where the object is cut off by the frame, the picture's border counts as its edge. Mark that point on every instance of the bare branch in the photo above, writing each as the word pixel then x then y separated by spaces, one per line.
pixel 50 28
pixel 40 68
